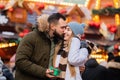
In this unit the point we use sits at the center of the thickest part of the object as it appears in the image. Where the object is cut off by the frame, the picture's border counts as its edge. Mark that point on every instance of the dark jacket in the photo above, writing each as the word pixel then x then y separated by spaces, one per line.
pixel 94 71
pixel 114 69
pixel 7 73
pixel 32 56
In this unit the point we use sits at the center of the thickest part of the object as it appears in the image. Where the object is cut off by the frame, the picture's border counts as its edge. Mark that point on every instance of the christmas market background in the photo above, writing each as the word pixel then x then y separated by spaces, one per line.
pixel 17 18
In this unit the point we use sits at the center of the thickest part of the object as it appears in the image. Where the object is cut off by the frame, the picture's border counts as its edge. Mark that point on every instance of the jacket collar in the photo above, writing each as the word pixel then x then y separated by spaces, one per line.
pixel 113 64
pixel 45 34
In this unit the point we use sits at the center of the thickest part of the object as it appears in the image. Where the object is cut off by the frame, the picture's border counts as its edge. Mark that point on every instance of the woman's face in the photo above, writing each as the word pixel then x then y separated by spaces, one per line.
pixel 68 33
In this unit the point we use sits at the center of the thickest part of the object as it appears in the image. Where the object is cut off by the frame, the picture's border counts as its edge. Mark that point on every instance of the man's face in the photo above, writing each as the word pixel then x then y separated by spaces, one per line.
pixel 68 33
pixel 60 28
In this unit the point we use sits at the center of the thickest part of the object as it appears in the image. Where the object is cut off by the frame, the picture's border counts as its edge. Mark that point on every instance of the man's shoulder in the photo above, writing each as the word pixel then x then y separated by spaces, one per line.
pixel 31 34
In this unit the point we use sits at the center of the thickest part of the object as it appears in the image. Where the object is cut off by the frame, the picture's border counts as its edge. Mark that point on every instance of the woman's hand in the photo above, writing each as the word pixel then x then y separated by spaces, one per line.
pixel 66 46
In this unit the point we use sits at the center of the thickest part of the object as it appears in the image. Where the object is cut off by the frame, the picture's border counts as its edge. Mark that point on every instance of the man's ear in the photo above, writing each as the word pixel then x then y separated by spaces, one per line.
pixel 52 26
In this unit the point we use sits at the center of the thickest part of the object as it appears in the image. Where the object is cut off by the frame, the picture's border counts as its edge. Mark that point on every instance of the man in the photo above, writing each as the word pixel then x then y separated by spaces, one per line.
pixel 94 71
pixel 34 51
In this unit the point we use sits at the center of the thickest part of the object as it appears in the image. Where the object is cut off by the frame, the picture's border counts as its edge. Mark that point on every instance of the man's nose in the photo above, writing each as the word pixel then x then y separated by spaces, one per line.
pixel 64 31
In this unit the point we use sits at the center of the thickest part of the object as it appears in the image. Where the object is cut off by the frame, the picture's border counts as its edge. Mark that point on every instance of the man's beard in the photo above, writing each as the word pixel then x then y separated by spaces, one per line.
pixel 58 36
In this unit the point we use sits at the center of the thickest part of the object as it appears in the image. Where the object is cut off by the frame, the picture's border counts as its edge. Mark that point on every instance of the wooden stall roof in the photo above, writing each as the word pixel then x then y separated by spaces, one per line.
pixel 74 8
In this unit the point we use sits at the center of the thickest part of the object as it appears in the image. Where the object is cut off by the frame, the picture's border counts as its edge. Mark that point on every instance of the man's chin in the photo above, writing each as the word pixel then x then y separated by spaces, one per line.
pixel 60 37
pixel 56 35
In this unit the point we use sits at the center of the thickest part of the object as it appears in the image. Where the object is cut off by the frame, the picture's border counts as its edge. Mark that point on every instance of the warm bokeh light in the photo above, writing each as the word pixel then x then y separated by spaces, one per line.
pixel 97 6
pixel 5 45
pixel 117 19
pixel 87 3
pixel 117 16
pixel 54 2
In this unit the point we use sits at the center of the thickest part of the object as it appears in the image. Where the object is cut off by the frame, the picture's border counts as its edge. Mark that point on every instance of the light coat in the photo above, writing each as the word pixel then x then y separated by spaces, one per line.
pixel 76 57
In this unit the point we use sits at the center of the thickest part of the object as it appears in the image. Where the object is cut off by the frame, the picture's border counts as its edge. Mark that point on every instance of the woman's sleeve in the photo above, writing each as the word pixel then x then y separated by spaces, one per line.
pixel 77 56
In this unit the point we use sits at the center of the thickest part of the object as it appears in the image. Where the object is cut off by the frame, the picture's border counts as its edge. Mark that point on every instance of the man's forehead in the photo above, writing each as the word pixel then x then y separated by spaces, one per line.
pixel 62 21
pixel 64 26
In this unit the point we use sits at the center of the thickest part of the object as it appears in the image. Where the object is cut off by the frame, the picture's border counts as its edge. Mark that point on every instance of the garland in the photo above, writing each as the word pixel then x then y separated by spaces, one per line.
pixel 108 11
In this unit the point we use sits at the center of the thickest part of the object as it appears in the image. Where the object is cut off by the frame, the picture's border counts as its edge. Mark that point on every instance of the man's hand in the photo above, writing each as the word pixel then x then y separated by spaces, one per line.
pixel 49 72
pixel 82 68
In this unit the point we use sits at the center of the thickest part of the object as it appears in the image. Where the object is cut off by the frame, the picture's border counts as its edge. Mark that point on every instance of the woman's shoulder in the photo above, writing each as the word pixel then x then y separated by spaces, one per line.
pixel 75 39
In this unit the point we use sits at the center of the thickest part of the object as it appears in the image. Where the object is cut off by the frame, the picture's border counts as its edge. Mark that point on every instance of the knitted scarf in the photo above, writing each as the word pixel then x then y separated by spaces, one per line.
pixel 63 61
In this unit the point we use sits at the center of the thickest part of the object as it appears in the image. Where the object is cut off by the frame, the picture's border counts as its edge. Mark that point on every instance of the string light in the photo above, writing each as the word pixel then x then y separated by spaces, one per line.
pixel 87 3
pixel 96 18
pixel 54 2
pixel 117 17
pixel 5 45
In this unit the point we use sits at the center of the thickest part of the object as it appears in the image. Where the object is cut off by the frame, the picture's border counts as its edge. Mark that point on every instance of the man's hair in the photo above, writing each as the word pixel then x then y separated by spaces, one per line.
pixel 54 18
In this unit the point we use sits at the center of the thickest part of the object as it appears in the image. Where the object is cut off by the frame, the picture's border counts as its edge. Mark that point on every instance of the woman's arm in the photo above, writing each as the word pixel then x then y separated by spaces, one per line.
pixel 77 56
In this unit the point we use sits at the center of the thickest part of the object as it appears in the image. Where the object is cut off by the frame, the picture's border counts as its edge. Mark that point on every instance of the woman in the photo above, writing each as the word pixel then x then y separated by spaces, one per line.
pixel 71 56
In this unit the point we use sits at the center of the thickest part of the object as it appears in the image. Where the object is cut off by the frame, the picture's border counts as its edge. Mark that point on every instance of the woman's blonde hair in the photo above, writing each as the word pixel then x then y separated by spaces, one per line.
pixel 43 23
pixel 71 67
